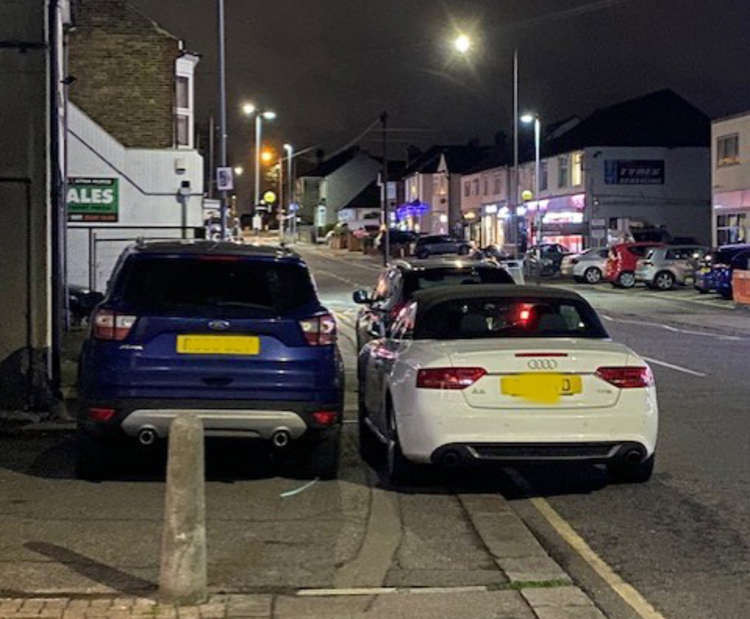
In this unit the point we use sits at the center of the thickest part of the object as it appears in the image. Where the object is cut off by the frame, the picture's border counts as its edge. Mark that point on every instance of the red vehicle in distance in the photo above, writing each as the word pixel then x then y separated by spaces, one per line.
pixel 621 263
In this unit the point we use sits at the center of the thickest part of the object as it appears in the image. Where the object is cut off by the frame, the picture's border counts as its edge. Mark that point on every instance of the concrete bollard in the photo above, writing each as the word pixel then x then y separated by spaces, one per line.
pixel 182 577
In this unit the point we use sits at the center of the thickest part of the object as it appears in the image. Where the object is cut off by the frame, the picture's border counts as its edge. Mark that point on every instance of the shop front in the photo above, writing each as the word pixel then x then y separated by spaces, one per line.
pixel 731 212
pixel 413 216
pixel 558 220
pixel 495 219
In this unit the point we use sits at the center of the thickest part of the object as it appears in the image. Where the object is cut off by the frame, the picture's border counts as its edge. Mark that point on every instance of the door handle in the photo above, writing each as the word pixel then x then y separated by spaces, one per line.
pixel 218 381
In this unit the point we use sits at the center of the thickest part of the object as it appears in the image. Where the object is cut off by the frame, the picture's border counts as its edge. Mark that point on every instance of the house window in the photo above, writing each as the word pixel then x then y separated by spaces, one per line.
pixel 577 171
pixel 543 182
pixel 476 186
pixel 498 184
pixel 183 111
pixel 563 170
pixel 486 186
pixel 727 150
pixel 467 189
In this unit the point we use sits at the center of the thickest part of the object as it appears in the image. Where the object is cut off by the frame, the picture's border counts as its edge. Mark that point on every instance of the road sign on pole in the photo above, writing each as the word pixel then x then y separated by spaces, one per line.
pixel 224 179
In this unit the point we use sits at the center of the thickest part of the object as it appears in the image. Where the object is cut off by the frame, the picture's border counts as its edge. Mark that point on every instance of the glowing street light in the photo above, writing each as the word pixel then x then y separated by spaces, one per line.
pixel 266 156
pixel 462 43
pixel 238 170
pixel 260 115
pixel 248 109
pixel 269 115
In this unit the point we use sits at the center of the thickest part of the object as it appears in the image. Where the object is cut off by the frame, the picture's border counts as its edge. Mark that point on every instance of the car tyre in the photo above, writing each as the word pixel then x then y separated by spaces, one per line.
pixel 592 275
pixel 91 460
pixel 370 448
pixel 629 473
pixel 322 457
pixel 398 469
pixel 663 281
pixel 626 279
pixel 701 290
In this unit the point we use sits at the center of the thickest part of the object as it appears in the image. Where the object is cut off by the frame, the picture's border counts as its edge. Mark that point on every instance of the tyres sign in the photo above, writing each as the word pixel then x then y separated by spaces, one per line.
pixel 93 199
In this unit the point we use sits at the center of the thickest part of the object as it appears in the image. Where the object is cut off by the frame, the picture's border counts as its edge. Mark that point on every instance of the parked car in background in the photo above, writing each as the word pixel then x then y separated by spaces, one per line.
pixel 233 333
pixel 436 244
pixel 403 278
pixel 473 374
pixel 545 259
pixel 724 276
pixel 713 266
pixel 588 266
pixel 81 302
pixel 622 262
pixel 514 266
pixel 663 267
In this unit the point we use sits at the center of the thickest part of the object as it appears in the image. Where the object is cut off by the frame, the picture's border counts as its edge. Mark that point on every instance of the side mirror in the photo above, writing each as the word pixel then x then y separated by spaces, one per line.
pixel 361 297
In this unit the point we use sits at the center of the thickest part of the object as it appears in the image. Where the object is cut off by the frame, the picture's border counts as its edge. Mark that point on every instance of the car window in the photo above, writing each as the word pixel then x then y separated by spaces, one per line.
pixel 672 254
pixel 197 284
pixel 604 253
pixel 639 250
pixel 452 276
pixel 500 318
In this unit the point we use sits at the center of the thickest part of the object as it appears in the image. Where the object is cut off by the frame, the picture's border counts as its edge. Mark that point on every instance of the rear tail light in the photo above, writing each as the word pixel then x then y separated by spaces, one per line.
pixel 324 418
pixel 319 330
pixel 627 377
pixel 448 378
pixel 101 414
pixel 109 325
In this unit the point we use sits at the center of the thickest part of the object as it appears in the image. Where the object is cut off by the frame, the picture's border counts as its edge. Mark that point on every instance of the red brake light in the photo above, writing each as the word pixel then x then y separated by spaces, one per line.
pixel 101 414
pixel 448 378
pixel 324 418
pixel 109 325
pixel 319 330
pixel 627 377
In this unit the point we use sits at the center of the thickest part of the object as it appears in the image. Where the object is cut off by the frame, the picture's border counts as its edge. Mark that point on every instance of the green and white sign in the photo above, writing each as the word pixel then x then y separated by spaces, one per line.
pixel 93 199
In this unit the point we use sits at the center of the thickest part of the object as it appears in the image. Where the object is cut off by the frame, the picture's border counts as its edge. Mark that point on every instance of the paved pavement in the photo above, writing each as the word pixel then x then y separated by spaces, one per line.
pixel 543 542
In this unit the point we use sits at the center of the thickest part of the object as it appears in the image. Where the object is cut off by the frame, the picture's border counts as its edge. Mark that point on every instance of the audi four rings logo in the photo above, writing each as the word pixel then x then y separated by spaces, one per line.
pixel 542 364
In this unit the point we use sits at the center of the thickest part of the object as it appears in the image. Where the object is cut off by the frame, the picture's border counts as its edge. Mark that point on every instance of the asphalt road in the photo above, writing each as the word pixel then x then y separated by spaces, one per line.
pixel 681 540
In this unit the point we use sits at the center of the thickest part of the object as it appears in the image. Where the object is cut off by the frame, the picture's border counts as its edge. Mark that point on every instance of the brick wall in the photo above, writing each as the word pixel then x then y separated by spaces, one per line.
pixel 124 65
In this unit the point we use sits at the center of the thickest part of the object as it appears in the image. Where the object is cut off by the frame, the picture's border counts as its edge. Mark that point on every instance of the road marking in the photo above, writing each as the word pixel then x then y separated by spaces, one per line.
pixel 338 277
pixel 351 421
pixel 672 366
pixel 625 590
pixel 672 329
pixel 289 493
pixel 386 590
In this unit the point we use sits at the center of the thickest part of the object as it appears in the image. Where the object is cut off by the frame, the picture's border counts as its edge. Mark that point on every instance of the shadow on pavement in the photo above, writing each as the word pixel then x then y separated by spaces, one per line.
pixel 93 570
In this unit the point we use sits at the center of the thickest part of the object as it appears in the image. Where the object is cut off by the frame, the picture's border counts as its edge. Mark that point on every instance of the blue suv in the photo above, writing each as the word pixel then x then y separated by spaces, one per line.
pixel 234 333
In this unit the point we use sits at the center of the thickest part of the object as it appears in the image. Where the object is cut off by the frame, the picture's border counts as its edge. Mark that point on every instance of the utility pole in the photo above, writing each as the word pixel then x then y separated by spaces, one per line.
pixel 514 184
pixel 385 209
pixel 211 173
pixel 222 111
pixel 281 199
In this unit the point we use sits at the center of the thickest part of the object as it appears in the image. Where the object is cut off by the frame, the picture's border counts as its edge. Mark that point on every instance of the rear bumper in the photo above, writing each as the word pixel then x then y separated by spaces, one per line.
pixel 259 419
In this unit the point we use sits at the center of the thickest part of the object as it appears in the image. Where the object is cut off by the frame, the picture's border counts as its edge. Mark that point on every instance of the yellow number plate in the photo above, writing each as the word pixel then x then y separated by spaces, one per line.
pixel 541 388
pixel 217 345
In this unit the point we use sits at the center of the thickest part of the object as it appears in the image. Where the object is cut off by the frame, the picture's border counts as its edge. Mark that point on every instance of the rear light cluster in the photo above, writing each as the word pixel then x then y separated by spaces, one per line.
pixel 324 418
pixel 448 378
pixel 109 325
pixel 319 330
pixel 101 414
pixel 627 377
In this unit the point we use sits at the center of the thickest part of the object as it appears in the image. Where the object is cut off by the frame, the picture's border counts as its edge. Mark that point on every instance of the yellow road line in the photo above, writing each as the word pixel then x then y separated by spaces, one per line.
pixel 625 590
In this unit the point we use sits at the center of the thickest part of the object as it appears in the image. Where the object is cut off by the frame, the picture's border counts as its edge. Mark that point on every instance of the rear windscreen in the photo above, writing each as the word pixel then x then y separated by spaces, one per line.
pixel 229 284
pixel 433 278
pixel 499 317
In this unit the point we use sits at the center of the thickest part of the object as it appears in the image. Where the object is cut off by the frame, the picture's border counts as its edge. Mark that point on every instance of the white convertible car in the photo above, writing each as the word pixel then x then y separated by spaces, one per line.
pixel 505 373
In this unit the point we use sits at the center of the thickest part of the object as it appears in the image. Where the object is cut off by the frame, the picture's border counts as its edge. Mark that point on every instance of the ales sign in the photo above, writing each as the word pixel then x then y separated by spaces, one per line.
pixel 93 199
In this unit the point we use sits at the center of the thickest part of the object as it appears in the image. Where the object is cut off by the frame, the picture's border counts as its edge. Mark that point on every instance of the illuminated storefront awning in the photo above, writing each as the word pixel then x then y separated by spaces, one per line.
pixel 416 208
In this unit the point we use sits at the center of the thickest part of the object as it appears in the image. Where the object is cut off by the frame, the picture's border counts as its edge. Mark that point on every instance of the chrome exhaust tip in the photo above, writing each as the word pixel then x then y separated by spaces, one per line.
pixel 280 439
pixel 147 436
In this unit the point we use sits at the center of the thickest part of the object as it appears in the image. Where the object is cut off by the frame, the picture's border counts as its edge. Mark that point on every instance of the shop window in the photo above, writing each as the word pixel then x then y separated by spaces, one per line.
pixel 498 184
pixel 731 228
pixel 727 150
pixel 543 176
pixel 577 171
pixel 563 171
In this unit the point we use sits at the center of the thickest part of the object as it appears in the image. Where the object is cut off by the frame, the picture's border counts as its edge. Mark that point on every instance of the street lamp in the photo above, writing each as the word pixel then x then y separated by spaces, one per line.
pixel 462 43
pixel 528 119
pixel 290 198
pixel 249 110
pixel 238 170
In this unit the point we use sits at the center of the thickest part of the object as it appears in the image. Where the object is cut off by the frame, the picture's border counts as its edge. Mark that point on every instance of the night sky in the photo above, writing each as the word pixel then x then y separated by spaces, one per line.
pixel 329 67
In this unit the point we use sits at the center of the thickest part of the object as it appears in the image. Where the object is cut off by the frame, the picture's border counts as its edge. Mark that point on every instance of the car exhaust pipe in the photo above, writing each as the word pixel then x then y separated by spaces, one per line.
pixel 280 439
pixel 633 456
pixel 147 437
pixel 451 459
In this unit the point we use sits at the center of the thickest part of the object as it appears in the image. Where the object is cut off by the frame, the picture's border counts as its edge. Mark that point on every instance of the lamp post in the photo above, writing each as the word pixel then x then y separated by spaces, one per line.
pixel 249 110
pixel 290 197
pixel 462 44
pixel 528 119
